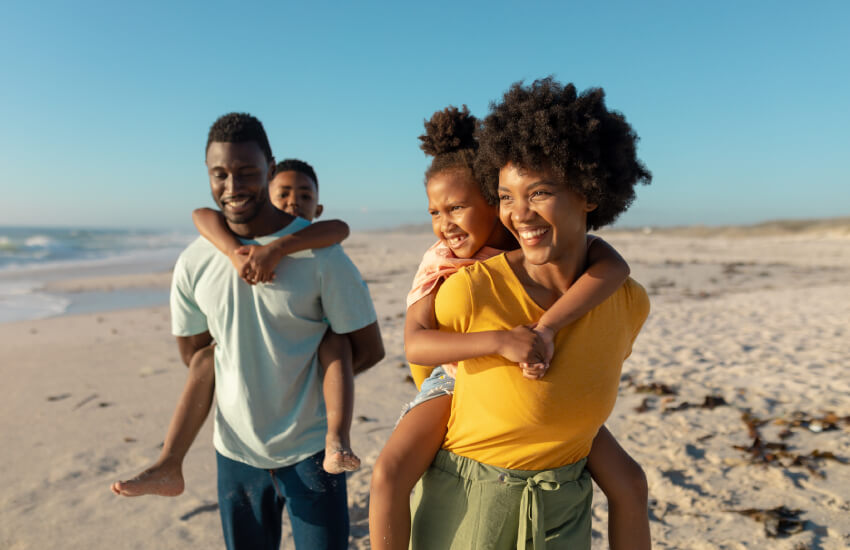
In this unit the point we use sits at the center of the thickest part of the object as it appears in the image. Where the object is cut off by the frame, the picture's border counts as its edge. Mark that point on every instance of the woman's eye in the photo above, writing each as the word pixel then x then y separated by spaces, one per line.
pixel 503 198
pixel 456 208
pixel 433 213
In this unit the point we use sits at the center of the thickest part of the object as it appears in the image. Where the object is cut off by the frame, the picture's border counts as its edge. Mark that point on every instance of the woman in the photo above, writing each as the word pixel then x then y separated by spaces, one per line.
pixel 512 467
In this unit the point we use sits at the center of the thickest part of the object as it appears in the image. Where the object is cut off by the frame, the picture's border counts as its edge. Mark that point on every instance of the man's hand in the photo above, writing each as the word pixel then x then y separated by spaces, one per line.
pixel 521 345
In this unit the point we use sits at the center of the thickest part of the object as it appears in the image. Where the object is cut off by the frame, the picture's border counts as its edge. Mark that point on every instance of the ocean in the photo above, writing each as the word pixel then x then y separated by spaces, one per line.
pixel 32 257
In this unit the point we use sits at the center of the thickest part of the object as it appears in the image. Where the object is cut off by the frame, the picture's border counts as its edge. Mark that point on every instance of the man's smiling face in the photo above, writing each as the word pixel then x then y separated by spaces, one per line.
pixel 239 176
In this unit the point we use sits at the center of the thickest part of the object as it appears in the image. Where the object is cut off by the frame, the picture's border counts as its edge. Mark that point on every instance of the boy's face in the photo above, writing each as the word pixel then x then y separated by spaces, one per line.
pixel 296 194
pixel 547 218
pixel 239 175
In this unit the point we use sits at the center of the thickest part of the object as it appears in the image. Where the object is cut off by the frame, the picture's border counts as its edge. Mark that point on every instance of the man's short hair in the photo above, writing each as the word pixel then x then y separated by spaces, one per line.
pixel 549 126
pixel 297 166
pixel 239 128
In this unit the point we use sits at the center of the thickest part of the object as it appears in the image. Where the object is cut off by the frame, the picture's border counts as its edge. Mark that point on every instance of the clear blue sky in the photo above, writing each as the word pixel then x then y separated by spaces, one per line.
pixel 743 108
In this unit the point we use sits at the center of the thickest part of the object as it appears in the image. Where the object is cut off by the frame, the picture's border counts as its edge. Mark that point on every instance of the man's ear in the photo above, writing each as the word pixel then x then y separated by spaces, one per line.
pixel 272 164
pixel 590 207
pixel 319 210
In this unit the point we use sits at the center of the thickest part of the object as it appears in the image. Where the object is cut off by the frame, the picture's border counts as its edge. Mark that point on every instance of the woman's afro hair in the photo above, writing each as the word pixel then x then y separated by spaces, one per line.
pixel 450 138
pixel 239 128
pixel 548 126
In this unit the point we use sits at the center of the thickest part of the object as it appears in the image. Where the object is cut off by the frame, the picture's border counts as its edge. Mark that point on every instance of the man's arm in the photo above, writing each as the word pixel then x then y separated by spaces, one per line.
pixel 367 347
pixel 189 345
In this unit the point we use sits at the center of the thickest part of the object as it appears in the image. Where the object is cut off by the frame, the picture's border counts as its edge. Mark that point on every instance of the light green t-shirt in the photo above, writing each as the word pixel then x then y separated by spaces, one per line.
pixel 269 407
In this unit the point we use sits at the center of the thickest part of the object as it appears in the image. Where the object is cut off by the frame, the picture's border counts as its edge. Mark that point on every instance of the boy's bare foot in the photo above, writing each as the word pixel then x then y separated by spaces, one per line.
pixel 339 458
pixel 163 479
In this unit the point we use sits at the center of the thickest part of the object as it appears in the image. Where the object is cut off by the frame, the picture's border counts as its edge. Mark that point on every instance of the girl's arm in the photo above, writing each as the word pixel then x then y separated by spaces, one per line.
pixel 606 272
pixel 256 263
pixel 425 345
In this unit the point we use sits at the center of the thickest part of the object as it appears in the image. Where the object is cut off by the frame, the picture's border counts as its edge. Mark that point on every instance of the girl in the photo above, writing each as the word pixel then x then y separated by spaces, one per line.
pixel 468 228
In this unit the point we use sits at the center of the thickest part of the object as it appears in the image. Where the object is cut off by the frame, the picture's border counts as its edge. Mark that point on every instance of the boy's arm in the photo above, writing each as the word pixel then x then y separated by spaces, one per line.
pixel 262 260
pixel 425 345
pixel 254 263
pixel 213 227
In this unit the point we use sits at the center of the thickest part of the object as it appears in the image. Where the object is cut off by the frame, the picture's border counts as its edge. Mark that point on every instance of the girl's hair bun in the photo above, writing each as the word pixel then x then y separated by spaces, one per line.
pixel 448 131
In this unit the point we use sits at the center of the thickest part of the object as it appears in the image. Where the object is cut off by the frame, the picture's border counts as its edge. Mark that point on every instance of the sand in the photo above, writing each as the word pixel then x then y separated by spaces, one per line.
pixel 755 321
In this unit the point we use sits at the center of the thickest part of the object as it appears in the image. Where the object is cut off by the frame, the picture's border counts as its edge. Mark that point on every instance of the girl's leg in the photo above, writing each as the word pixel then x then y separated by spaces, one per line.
pixel 624 484
pixel 338 389
pixel 165 477
pixel 407 454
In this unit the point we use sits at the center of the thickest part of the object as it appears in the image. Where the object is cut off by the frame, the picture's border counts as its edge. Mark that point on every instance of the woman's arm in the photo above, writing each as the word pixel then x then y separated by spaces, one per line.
pixel 425 345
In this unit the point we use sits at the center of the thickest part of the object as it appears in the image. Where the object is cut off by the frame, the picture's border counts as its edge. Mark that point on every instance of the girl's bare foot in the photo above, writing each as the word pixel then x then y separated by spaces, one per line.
pixel 339 457
pixel 163 479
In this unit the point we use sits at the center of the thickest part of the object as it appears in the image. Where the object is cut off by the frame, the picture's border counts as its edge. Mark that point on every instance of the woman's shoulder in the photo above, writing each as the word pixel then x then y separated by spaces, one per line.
pixel 633 297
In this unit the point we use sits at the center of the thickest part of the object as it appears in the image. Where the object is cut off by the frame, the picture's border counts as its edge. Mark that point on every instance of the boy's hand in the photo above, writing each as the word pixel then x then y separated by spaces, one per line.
pixel 240 262
pixel 521 345
pixel 262 261
pixel 535 371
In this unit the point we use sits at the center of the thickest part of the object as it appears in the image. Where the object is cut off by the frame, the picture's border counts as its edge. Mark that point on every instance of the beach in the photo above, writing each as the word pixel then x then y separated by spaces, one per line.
pixel 735 400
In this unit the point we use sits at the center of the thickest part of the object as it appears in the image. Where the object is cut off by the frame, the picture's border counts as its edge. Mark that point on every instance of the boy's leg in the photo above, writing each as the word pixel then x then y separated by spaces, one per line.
pixel 317 503
pixel 407 454
pixel 249 504
pixel 624 484
pixel 338 390
pixel 165 477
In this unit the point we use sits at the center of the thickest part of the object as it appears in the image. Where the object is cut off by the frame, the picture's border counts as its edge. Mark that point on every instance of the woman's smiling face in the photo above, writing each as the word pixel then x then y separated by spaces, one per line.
pixel 460 215
pixel 547 218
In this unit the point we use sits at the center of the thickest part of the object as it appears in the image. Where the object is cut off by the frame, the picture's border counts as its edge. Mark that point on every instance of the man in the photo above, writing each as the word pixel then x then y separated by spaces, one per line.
pixel 270 417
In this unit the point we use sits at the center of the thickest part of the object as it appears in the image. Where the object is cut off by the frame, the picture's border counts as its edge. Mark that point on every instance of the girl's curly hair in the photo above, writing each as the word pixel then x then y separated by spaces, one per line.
pixel 450 138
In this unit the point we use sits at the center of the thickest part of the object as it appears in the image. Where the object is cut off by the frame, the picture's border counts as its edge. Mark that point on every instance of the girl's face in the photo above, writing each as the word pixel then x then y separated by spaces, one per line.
pixel 460 215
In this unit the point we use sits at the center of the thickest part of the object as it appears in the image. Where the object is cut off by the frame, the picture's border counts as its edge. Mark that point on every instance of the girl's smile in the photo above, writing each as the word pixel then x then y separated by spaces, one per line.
pixel 460 215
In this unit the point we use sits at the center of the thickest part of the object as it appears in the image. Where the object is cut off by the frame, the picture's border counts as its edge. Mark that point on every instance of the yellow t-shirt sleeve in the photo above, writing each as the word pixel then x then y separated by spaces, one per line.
pixel 454 303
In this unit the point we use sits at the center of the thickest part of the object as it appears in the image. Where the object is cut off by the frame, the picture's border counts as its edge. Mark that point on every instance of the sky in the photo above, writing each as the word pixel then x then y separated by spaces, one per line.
pixel 743 108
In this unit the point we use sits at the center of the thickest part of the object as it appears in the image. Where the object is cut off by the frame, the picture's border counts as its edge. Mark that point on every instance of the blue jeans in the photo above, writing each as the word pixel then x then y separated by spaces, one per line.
pixel 251 501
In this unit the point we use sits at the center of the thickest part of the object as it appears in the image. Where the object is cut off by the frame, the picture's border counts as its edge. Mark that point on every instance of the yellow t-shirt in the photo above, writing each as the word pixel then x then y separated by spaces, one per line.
pixel 500 418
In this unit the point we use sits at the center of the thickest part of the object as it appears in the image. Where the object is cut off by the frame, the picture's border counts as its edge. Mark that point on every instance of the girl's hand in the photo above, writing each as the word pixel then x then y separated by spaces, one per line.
pixel 261 263
pixel 536 371
pixel 521 345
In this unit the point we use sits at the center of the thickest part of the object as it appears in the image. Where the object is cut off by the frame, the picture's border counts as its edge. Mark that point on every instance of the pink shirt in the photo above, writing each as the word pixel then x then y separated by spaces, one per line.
pixel 438 263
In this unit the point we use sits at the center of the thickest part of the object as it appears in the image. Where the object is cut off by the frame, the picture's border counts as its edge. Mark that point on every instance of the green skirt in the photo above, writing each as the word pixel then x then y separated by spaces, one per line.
pixel 465 505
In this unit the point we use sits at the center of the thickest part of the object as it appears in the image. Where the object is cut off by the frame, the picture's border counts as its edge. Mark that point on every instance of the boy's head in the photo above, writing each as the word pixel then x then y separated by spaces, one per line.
pixel 295 189
pixel 549 128
pixel 240 165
